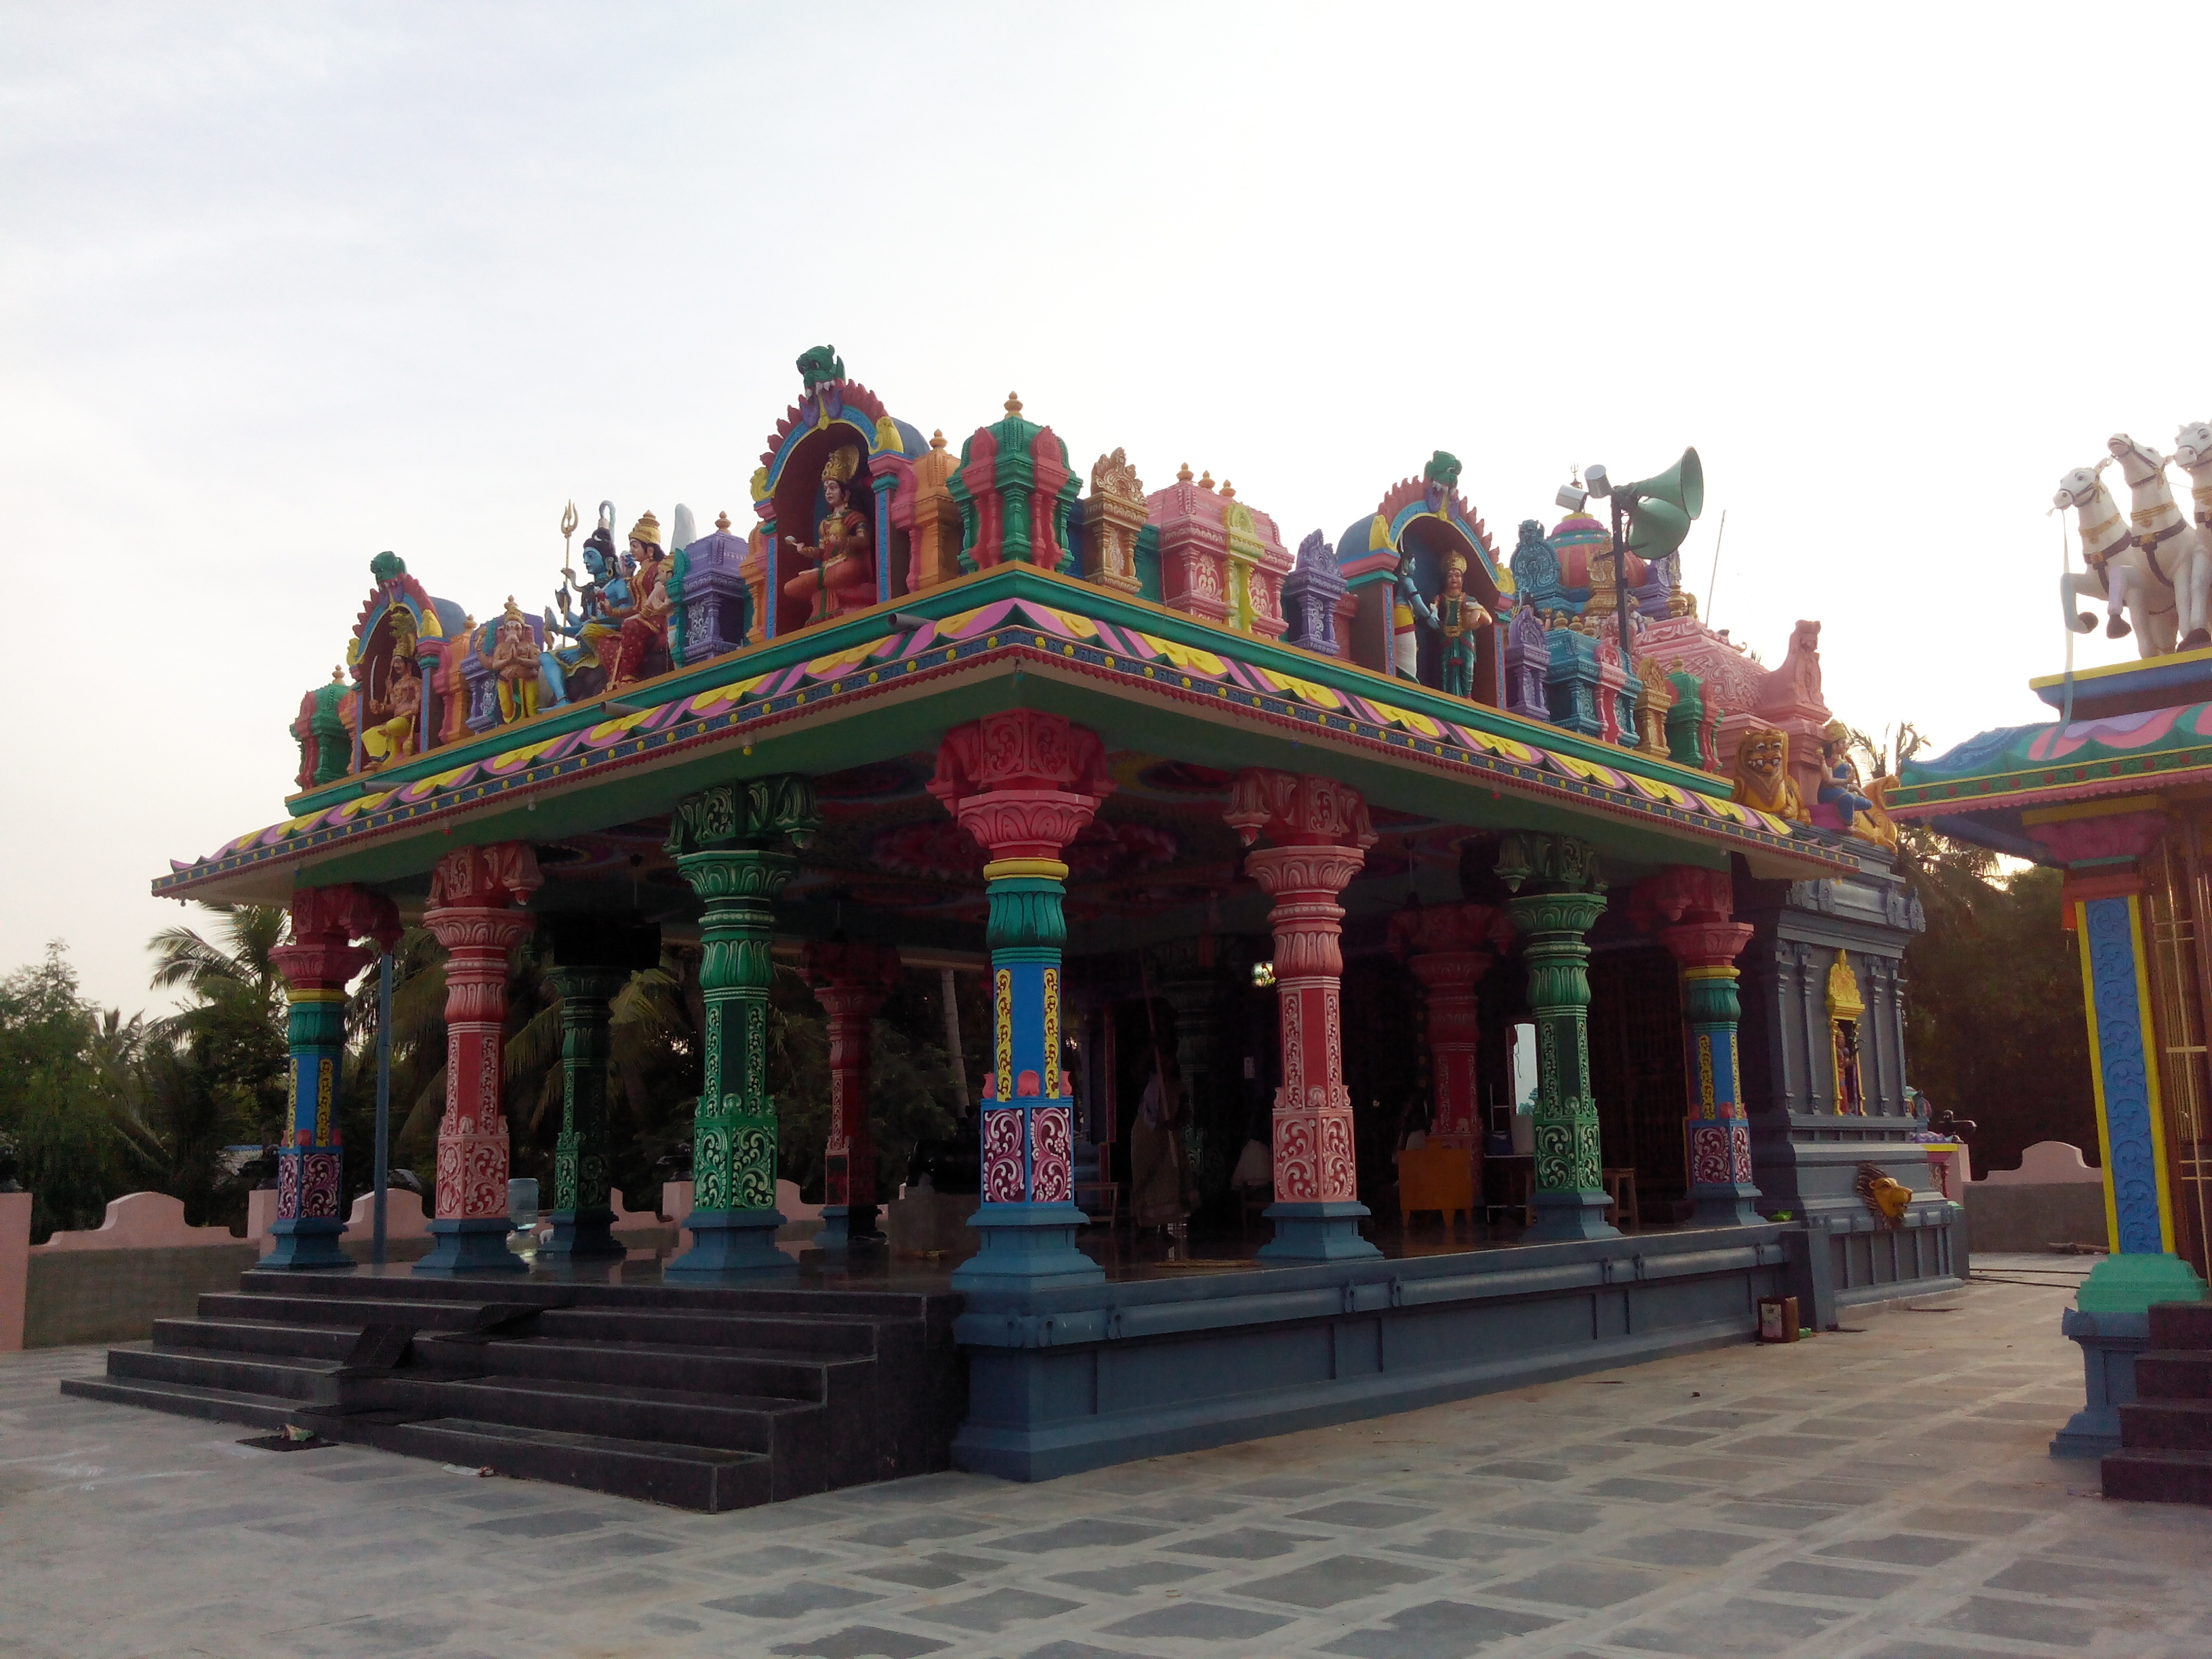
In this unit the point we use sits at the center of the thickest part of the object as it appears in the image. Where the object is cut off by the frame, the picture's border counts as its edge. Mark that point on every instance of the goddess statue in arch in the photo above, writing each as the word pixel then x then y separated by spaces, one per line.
pixel 844 574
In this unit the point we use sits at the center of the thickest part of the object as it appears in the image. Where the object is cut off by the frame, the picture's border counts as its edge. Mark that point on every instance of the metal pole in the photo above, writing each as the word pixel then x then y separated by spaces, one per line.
pixel 383 1101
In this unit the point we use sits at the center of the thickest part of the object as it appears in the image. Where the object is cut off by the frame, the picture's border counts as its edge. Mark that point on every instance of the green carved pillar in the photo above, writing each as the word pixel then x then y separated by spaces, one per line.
pixel 729 841
pixel 1557 899
pixel 593 957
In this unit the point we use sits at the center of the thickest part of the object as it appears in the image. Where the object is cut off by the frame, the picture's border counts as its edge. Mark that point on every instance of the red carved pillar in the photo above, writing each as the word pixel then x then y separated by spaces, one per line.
pixel 1024 784
pixel 1320 834
pixel 852 980
pixel 474 896
pixel 1448 948
pixel 317 961
pixel 1690 911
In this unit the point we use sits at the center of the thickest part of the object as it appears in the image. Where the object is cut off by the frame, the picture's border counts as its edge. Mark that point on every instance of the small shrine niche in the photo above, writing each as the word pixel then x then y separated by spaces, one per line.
pixel 1847 1008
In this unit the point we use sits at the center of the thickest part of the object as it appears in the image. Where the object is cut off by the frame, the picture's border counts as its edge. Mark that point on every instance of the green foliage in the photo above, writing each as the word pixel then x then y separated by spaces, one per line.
pixel 54 1102
pixel 1993 1028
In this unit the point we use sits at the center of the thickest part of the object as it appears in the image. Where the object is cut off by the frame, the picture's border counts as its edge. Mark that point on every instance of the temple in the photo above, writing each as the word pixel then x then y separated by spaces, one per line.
pixel 1519 974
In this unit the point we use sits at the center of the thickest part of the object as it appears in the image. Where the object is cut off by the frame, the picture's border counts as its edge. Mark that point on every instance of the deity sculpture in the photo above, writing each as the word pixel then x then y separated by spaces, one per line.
pixel 514 661
pixel 1456 619
pixel 1762 775
pixel 595 624
pixel 1839 775
pixel 844 574
pixel 1407 604
pixel 392 739
pixel 640 647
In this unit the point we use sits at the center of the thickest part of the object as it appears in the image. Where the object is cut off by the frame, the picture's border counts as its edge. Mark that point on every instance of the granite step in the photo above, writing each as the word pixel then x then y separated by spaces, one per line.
pixel 244 1336
pixel 2158 1477
pixel 2174 1373
pixel 303 1381
pixel 2166 1425
pixel 2182 1325
pixel 705 1478
pixel 803 1333
pixel 350 1313
pixel 257 1411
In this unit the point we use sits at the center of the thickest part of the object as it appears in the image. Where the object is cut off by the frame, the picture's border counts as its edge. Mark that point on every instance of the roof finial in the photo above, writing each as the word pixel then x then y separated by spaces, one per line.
pixel 1182 473
pixel 1205 481
pixel 1013 403
pixel 937 439
pixel 722 522
pixel 337 676
pixel 1228 491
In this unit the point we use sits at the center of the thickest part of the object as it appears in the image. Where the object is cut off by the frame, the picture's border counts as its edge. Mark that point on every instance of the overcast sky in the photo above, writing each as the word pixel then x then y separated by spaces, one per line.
pixel 282 286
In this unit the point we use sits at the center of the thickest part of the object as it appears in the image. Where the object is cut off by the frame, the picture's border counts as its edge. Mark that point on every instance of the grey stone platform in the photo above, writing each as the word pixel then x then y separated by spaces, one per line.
pixel 1883 1493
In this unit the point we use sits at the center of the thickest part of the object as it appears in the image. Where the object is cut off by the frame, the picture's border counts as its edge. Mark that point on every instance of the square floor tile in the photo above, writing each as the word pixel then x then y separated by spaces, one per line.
pixel 862 1642
pixel 791 1600
pixel 1820 1578
pixel 1198 1621
pixel 1686 1547
pixel 993 1610
pixel 1901 1549
pixel 1131 1578
pixel 1244 1544
pixel 1362 1513
pixel 1326 1583
pixel 1093 1535
pixel 1438 1630
pixel 1578 1585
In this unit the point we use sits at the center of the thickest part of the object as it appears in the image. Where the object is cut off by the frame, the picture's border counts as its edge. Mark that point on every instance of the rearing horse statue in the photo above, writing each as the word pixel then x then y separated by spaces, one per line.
pixel 2117 571
pixel 2172 548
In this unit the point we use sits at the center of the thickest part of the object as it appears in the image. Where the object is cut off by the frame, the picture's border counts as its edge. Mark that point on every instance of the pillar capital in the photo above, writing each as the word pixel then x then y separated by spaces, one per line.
pixel 497 876
pixel 1538 863
pixel 1298 810
pixel 1682 893
pixel 1023 782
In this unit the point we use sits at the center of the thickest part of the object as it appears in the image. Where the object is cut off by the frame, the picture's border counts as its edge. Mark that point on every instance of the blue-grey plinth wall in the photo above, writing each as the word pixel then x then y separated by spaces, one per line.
pixel 1066 1380
pixel 2109 1343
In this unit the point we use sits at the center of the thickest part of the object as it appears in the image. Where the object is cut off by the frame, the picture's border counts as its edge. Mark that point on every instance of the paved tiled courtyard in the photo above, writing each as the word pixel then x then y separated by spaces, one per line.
pixel 1878 1492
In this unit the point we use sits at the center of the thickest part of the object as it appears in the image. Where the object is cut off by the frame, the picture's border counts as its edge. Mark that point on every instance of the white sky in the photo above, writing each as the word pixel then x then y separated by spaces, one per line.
pixel 282 286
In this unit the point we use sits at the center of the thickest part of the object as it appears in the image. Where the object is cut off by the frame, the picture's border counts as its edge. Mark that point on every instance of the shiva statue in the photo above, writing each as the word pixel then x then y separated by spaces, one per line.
pixel 514 661
pixel 392 739
pixel 844 574
pixel 602 603
pixel 1407 604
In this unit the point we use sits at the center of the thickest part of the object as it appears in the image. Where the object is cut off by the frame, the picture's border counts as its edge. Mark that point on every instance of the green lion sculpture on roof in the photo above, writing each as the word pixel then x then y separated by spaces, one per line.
pixel 1441 471
pixel 820 364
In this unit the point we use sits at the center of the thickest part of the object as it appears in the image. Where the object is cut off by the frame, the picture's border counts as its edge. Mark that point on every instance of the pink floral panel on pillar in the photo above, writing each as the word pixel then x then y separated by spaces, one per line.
pixel 1002 1156
pixel 1710 1161
pixel 1051 1169
pixel 1740 1151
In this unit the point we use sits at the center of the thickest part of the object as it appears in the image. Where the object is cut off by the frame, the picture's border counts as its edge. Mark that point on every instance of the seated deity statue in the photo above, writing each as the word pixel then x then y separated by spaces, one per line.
pixel 392 739
pixel 596 620
pixel 843 576
pixel 640 649
pixel 1762 775
pixel 514 661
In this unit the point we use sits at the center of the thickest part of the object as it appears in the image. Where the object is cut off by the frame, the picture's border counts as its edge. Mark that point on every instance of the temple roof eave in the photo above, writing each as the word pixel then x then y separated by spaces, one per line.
pixel 1117 659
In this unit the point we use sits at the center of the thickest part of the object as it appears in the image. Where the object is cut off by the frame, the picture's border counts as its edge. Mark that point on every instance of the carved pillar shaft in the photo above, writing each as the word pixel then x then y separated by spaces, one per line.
pixel 474 896
pixel 582 1217
pixel 1563 898
pixel 1023 784
pixel 1323 833
pixel 1718 1131
pixel 317 963
pixel 852 980
pixel 729 841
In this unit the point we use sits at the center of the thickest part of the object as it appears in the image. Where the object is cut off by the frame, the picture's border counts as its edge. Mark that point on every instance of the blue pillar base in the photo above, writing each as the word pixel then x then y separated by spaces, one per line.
pixel 732 1247
pixel 308 1246
pixel 1564 1216
pixel 1316 1232
pixel 1025 1247
pixel 1725 1204
pixel 582 1235
pixel 2109 1343
pixel 465 1249
pixel 844 1226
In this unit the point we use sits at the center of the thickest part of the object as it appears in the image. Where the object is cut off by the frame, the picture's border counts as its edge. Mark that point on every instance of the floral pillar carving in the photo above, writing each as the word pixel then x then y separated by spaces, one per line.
pixel 476 893
pixel 1320 835
pixel 1691 913
pixel 1448 948
pixel 1557 897
pixel 317 962
pixel 729 842
pixel 1023 784
pixel 852 980
pixel 593 958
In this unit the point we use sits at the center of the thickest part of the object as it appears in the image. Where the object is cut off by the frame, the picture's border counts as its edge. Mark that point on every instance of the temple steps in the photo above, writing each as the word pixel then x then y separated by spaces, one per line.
pixel 706 1398
pixel 2166 1432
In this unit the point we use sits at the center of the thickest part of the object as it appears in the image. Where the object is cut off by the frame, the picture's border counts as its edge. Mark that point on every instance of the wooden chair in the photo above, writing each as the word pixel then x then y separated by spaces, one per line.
pixel 1621 1198
pixel 1108 1209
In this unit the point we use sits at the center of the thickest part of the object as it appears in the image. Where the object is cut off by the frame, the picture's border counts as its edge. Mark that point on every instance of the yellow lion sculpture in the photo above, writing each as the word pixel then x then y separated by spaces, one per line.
pixel 1762 775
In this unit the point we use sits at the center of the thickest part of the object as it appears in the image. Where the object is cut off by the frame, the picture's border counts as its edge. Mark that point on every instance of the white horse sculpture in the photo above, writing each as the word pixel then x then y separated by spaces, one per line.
pixel 2173 551
pixel 2117 573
